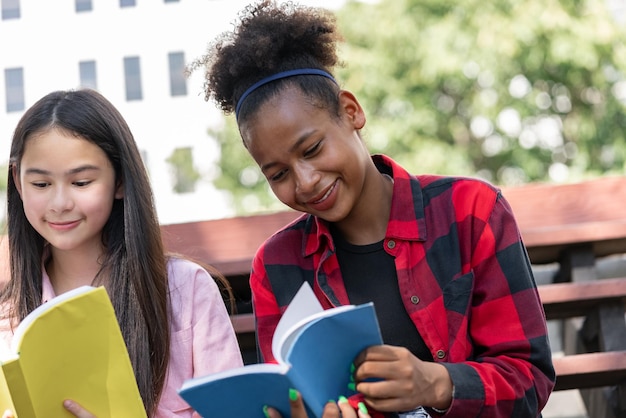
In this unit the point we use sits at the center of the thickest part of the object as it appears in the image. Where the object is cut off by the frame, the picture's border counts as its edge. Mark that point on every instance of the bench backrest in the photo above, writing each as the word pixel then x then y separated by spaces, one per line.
pixel 550 217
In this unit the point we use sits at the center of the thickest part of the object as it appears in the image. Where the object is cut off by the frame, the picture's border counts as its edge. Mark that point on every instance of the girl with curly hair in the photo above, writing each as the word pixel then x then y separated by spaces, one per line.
pixel 440 256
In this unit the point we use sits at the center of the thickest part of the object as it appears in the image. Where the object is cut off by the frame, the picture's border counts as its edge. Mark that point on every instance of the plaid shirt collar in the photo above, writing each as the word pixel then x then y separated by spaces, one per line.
pixel 405 222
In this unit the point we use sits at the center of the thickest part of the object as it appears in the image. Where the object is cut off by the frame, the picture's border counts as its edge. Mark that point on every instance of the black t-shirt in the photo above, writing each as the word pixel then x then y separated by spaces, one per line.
pixel 369 275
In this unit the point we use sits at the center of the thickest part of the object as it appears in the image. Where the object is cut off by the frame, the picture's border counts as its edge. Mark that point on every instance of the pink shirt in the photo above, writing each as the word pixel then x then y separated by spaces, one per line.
pixel 202 338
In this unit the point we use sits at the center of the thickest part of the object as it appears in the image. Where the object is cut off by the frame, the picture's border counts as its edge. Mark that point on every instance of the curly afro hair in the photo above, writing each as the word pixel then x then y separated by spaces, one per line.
pixel 270 38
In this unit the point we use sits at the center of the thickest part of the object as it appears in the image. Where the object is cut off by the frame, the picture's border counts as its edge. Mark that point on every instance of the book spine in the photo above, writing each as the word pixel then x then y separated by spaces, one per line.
pixel 18 389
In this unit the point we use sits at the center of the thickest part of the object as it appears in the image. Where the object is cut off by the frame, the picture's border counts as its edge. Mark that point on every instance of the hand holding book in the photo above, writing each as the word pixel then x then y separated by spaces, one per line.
pixel 340 409
pixel 314 349
pixel 70 348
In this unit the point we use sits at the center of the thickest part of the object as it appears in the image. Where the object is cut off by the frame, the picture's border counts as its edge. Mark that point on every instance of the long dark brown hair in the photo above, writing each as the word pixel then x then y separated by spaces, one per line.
pixel 134 267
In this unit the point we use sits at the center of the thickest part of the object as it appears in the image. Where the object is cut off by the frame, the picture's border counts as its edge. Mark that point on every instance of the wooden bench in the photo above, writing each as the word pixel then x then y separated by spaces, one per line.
pixel 585 299
pixel 576 226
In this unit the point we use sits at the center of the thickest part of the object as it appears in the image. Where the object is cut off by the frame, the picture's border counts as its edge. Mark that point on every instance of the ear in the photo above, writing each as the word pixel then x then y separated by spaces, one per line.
pixel 119 190
pixel 351 108
pixel 16 179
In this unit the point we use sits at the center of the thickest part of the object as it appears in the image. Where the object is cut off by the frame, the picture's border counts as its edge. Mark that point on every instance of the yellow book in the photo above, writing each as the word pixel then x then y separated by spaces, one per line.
pixel 70 347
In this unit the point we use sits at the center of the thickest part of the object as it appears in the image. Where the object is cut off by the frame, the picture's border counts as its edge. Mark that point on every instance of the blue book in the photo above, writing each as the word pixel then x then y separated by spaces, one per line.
pixel 314 350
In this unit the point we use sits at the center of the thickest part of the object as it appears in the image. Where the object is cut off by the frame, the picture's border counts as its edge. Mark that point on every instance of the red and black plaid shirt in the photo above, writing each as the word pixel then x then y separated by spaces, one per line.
pixel 465 279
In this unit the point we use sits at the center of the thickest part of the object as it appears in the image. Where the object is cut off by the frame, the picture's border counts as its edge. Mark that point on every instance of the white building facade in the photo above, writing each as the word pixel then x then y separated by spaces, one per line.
pixel 134 53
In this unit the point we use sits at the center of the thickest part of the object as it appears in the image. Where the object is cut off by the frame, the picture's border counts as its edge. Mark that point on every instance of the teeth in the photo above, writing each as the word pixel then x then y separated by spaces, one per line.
pixel 325 195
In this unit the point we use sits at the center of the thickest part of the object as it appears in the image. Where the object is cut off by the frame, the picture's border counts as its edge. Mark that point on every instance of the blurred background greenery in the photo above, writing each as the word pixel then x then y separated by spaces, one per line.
pixel 512 91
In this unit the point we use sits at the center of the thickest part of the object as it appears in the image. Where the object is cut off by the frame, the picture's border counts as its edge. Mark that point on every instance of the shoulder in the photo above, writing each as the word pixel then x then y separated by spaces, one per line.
pixel 290 237
pixel 181 265
pixel 436 182
pixel 193 293
pixel 186 276
pixel 459 187
pixel 460 197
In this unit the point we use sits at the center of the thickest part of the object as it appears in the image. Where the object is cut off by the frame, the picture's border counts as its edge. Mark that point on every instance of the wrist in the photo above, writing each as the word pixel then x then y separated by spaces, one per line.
pixel 444 390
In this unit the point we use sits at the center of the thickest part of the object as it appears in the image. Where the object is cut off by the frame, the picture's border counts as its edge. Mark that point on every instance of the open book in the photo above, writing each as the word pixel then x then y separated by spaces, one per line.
pixel 314 350
pixel 70 347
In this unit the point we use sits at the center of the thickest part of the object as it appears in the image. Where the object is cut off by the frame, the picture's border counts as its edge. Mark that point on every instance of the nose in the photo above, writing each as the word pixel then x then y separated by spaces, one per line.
pixel 306 178
pixel 61 200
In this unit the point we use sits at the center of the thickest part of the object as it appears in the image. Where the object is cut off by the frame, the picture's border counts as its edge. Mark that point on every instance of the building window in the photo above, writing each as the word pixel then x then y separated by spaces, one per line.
pixel 10 9
pixel 83 6
pixel 14 87
pixel 132 75
pixel 87 70
pixel 127 3
pixel 178 81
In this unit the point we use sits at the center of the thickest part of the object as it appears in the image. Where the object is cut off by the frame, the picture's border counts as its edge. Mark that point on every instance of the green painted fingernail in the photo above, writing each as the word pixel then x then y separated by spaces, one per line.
pixel 293 394
pixel 266 412
pixel 342 399
pixel 352 386
pixel 352 367
pixel 362 407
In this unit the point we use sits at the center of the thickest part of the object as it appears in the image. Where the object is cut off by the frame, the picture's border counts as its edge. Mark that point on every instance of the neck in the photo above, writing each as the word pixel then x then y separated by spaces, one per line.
pixel 70 269
pixel 368 221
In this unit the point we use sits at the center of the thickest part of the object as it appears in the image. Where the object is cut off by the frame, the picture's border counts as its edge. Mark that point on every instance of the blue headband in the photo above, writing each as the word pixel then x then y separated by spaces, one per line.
pixel 277 76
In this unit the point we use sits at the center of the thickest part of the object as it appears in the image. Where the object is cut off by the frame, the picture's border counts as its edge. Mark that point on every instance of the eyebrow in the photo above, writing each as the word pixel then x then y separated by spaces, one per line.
pixel 295 146
pixel 76 170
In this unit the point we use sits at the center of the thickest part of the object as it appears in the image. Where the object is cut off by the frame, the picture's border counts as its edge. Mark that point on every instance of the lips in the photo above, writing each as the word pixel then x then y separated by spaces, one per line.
pixel 326 201
pixel 328 192
pixel 63 226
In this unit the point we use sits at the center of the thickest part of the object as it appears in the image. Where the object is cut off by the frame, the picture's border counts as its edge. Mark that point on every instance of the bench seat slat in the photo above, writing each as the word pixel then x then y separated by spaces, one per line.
pixel 243 323
pixel 579 371
pixel 567 300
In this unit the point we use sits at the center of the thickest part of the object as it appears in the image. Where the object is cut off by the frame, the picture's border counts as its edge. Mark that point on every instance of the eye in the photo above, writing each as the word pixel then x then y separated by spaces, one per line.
pixel 313 150
pixel 82 183
pixel 278 176
pixel 40 184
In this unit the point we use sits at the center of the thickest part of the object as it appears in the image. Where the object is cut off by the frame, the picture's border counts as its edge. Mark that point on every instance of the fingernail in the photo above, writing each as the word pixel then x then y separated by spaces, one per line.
pixel 352 386
pixel 362 407
pixel 266 412
pixel 342 399
pixel 293 394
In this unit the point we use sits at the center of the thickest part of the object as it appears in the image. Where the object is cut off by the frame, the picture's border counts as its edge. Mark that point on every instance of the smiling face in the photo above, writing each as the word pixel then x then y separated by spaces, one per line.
pixel 314 162
pixel 67 185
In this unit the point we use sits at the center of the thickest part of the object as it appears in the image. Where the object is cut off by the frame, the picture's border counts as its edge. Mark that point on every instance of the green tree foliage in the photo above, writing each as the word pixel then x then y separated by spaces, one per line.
pixel 4 168
pixel 512 90
pixel 184 173
pixel 509 90
pixel 240 175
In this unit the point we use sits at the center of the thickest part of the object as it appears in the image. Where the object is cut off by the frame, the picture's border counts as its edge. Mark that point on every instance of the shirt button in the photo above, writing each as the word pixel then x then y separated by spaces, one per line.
pixel 415 300
pixel 391 244
pixel 441 354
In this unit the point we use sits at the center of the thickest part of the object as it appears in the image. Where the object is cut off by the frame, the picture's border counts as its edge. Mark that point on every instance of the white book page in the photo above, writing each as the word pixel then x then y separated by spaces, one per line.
pixel 303 305
pixel 302 310
pixel 257 368
pixel 6 353
pixel 288 338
